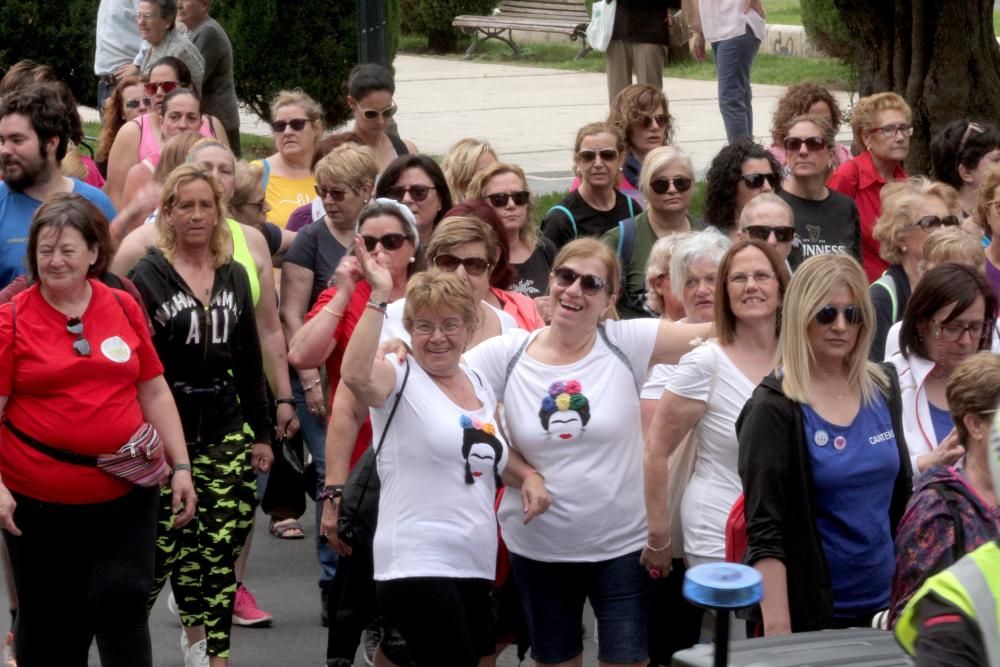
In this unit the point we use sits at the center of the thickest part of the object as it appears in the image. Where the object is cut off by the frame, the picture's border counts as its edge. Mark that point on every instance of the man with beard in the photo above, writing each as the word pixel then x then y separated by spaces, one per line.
pixel 34 134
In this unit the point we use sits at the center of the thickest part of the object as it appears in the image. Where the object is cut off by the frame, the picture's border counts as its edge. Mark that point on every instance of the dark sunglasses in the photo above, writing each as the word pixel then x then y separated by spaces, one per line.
pixel 813 144
pixel 74 325
pixel 763 232
pixel 334 193
pixel 388 241
pixel 647 121
pixel 500 199
pixel 134 104
pixel 165 86
pixel 828 315
pixel 606 154
pixel 756 181
pixel 417 192
pixel 474 266
pixel 933 222
pixel 372 114
pixel 590 284
pixel 662 185
pixel 297 124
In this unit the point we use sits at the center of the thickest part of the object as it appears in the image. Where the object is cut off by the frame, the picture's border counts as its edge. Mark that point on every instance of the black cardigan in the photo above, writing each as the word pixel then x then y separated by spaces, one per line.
pixel 780 509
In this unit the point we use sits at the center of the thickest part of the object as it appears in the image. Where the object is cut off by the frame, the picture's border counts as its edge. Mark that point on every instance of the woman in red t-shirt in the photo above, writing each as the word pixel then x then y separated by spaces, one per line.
pixel 79 374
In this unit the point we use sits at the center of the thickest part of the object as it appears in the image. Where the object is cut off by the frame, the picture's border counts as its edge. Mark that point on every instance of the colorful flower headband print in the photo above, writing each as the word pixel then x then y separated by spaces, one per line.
pixel 481 449
pixel 565 411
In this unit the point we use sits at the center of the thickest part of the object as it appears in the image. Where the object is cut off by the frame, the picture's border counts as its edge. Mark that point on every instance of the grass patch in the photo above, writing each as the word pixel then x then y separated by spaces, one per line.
pixel 253 146
pixel 783 12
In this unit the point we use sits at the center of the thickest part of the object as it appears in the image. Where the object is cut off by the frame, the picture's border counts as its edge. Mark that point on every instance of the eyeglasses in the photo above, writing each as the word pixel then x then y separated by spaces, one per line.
pixel 970 128
pixel 953 331
pixel 827 315
pixel 74 326
pixel 590 284
pixel 335 193
pixel 662 185
pixel 417 192
pixel 135 104
pixel 500 199
pixel 144 16
pixel 756 181
pixel 297 125
pixel 474 266
pixel 449 327
pixel 372 114
pixel 812 144
pixel 259 205
pixel 763 233
pixel 933 222
pixel 759 278
pixel 166 86
pixel 890 131
pixel 606 155
pixel 647 120
pixel 389 241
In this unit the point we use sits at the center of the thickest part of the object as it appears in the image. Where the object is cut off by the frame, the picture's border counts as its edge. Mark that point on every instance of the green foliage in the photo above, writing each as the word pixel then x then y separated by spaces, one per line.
pixel 60 34
pixel 433 18
pixel 826 29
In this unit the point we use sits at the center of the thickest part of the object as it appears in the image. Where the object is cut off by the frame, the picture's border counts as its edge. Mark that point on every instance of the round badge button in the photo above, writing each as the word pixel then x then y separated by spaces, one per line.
pixel 821 438
pixel 839 442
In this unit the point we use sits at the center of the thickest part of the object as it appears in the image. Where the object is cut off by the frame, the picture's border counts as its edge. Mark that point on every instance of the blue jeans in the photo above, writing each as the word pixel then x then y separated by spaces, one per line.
pixel 553 595
pixel 104 91
pixel 733 58
pixel 313 429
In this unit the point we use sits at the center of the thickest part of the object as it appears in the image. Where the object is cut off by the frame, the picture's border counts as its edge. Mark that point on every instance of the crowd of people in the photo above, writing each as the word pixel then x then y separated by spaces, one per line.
pixel 506 420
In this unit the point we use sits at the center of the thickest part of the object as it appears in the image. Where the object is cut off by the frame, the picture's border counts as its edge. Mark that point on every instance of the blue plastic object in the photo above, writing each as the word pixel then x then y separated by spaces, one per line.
pixel 723 586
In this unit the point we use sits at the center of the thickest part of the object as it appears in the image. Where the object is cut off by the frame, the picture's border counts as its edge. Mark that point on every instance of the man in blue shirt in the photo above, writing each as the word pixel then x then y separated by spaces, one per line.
pixel 34 135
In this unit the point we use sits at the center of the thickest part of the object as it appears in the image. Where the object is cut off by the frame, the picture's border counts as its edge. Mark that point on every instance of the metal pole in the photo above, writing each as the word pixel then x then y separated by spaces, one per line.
pixel 721 638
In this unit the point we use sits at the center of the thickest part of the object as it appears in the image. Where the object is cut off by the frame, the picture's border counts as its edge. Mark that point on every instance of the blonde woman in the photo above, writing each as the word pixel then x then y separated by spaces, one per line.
pixel 911 210
pixel 987 217
pixel 825 469
pixel 464 160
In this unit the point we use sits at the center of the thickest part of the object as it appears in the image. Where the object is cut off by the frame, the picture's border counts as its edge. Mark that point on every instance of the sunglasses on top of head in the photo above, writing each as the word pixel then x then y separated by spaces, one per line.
pixel 590 284
pixel 500 199
pixel 297 125
pixel 756 181
pixel 662 185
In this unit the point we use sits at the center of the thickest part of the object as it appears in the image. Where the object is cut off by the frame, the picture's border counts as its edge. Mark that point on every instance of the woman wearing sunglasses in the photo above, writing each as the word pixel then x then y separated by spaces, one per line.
pixel 297 126
pixel 571 396
pixel 950 316
pixel 826 221
pixel 824 467
pixel 143 137
pixel 807 99
pixel 370 89
pixel 598 205
pixel 417 182
pixel 882 128
pixel 642 113
pixel 127 102
pixel 667 185
pixel 911 210
pixel 738 173
pixel 703 396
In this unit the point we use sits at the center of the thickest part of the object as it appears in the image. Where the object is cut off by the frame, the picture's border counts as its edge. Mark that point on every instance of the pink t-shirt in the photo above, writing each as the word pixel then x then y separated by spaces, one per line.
pixel 149 147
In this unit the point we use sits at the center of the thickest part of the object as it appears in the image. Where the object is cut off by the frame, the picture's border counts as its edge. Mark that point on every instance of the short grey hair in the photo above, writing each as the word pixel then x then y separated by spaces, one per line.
pixel 709 244
pixel 657 159
pixel 167 9
pixel 657 265
pixel 759 200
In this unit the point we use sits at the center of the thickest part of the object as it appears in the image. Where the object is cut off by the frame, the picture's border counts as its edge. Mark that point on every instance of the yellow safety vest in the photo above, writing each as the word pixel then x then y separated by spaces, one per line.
pixel 973 586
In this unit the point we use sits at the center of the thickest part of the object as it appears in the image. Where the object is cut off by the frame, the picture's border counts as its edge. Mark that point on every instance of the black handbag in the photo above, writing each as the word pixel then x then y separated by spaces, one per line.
pixel 359 498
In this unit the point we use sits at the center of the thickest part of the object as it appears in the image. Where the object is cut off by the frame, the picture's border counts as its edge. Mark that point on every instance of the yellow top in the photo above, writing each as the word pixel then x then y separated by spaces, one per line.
pixel 285 194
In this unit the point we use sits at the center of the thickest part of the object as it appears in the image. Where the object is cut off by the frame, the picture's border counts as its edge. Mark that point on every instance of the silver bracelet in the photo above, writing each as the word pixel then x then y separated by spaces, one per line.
pixel 655 550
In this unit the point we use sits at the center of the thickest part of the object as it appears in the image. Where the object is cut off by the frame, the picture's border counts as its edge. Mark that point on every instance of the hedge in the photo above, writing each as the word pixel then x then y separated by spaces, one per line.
pixel 826 29
pixel 433 19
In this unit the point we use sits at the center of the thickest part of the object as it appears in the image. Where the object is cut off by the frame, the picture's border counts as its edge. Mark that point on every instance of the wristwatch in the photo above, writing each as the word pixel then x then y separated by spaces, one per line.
pixel 331 493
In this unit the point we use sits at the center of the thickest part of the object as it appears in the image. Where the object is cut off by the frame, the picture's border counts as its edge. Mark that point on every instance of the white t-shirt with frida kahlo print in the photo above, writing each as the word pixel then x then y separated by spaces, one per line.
pixel 438 466
pixel 577 424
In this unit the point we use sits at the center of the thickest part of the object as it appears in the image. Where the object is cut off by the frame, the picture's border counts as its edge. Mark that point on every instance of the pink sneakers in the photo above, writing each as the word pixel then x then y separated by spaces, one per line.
pixel 245 610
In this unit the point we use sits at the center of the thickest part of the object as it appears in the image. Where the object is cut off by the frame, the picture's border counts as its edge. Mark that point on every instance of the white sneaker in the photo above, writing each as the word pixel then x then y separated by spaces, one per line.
pixel 196 654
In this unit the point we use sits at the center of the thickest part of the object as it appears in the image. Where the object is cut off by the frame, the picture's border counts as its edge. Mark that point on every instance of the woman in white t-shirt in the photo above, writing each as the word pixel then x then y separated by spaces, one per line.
pixel 439 464
pixel 571 404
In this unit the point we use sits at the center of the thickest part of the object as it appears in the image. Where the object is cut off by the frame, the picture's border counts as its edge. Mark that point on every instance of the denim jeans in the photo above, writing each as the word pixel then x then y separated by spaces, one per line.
pixel 104 91
pixel 733 58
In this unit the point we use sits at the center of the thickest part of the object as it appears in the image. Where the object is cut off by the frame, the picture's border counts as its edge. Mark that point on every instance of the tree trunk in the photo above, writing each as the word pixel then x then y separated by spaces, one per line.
pixel 941 55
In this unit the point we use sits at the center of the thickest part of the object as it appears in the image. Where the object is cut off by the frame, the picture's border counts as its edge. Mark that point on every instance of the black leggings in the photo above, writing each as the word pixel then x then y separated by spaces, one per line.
pixel 82 571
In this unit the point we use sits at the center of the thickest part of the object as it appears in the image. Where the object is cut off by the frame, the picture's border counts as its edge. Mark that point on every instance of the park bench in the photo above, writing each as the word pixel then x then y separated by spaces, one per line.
pixel 563 17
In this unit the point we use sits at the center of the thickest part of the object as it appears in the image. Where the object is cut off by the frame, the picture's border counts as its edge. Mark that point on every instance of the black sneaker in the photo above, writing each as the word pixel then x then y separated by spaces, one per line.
pixel 370 639
pixel 324 599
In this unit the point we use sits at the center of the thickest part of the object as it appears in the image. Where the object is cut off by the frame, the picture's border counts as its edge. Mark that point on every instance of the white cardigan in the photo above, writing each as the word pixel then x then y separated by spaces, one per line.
pixel 918 429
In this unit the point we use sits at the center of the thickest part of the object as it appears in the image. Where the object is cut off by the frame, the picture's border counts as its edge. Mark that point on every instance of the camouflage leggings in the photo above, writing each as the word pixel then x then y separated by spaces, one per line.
pixel 199 558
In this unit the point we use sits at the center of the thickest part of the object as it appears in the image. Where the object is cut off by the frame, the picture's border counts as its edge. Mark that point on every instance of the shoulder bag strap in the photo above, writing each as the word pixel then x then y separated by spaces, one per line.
pixel 513 361
pixel 569 214
pixel 266 176
pixel 617 351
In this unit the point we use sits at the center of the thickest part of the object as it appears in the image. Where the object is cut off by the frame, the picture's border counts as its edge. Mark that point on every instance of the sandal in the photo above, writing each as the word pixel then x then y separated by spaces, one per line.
pixel 287 529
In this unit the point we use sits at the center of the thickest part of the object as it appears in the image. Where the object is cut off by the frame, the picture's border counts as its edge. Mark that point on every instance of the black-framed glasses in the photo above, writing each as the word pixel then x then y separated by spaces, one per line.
pixel 81 346
pixel 417 192
pixel 500 199
pixel 372 114
pixel 763 233
pixel 335 193
pixel 756 181
pixel 449 327
pixel 474 266
pixel 167 87
pixel 589 283
pixel 812 144
pixel 662 185
pixel 758 277
pixel 827 315
pixel 389 241
pixel 606 155
pixel 953 331
pixel 297 125
pixel 929 222
pixel 890 131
